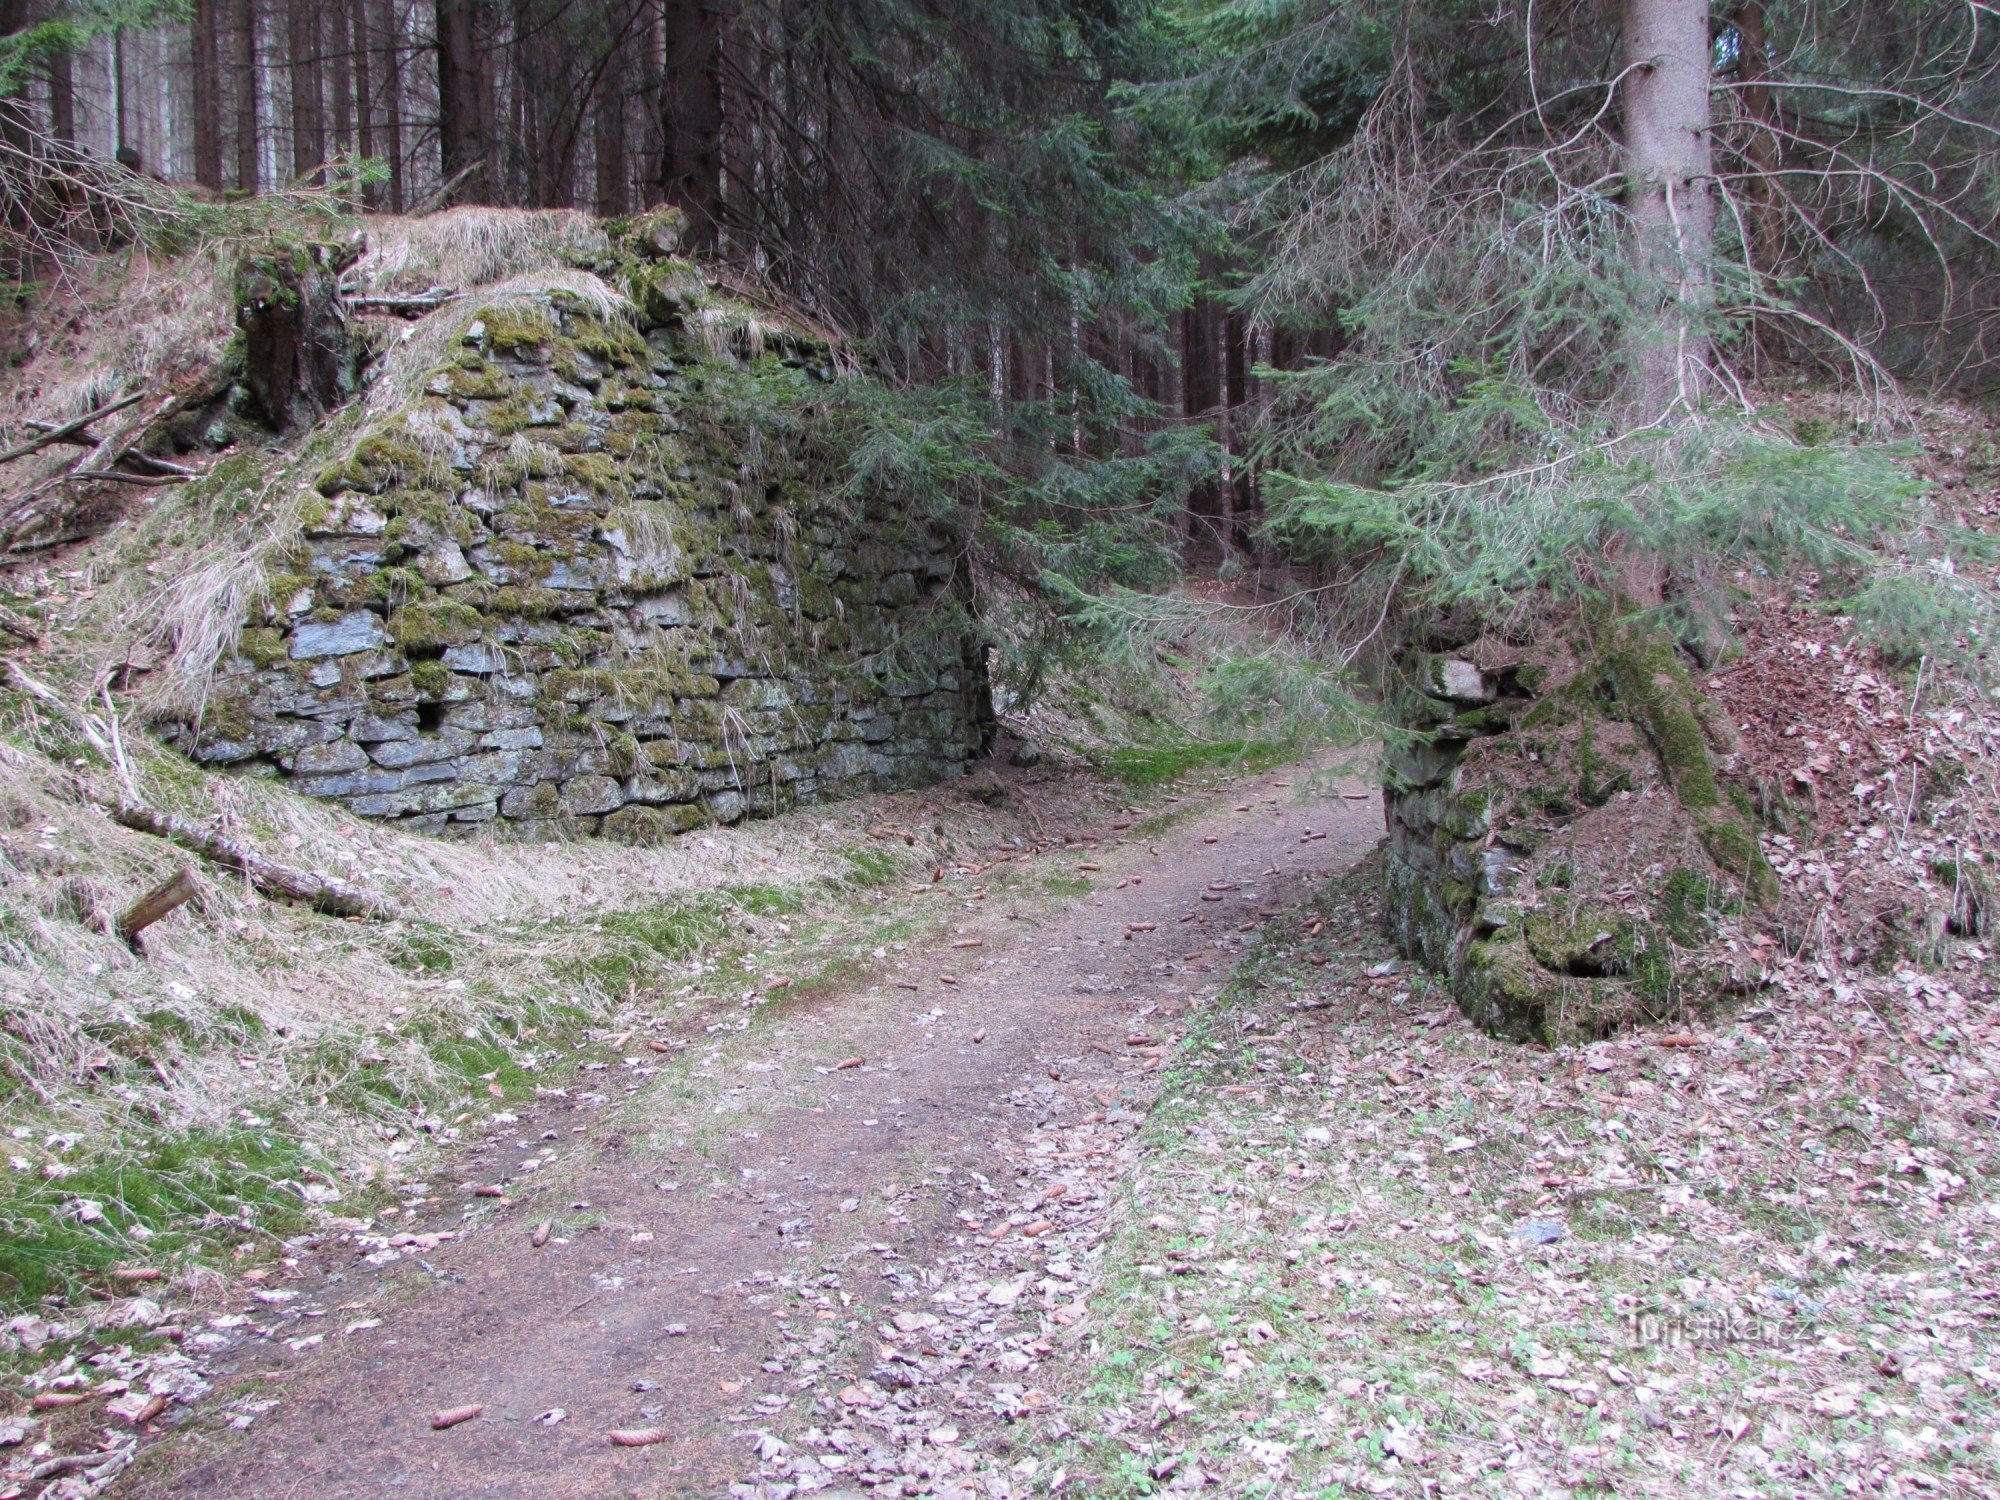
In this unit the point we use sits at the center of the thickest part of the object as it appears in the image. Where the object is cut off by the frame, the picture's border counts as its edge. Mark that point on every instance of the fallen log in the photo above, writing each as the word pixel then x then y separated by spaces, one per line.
pixel 117 476
pixel 322 892
pixel 169 895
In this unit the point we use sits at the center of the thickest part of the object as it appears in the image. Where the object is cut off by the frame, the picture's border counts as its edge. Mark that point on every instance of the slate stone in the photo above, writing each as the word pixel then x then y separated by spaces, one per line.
pixel 352 633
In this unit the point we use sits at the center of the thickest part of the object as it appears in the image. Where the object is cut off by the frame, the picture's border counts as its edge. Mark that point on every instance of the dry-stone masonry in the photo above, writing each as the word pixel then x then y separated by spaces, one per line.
pixel 610 575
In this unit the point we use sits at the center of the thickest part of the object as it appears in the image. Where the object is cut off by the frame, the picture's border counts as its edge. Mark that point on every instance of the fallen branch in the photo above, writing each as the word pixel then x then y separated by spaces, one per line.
pixel 168 896
pixel 61 431
pixel 114 476
pixel 406 305
pixel 322 892
pixel 17 627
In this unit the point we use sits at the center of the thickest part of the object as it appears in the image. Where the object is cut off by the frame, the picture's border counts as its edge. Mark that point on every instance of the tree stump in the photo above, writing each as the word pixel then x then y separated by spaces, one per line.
pixel 298 362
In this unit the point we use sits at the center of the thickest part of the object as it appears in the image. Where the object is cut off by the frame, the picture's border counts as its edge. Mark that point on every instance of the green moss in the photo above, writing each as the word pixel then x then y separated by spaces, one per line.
pixel 380 462
pixel 1597 779
pixel 1653 684
pixel 431 625
pixel 431 678
pixel 597 472
pixel 261 646
pixel 527 603
pixel 1689 903
pixel 617 345
pixel 513 327
pixel 521 557
pixel 397 585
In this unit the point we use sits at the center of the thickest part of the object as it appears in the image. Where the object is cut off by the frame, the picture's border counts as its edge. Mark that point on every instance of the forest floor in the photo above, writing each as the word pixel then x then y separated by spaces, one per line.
pixel 741 1242
pixel 1139 1165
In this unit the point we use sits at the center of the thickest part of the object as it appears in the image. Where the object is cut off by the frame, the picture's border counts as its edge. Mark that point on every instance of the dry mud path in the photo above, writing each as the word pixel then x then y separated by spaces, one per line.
pixel 719 1232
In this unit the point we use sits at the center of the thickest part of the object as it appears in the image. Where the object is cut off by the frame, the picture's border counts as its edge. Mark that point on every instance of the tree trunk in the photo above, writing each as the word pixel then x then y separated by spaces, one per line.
pixel 607 124
pixel 62 98
pixel 15 124
pixel 308 117
pixel 461 148
pixel 652 109
pixel 297 361
pixel 341 77
pixel 246 95
pixel 1669 194
pixel 691 118
pixel 392 99
pixel 1201 390
pixel 204 54
pixel 364 92
pixel 1764 222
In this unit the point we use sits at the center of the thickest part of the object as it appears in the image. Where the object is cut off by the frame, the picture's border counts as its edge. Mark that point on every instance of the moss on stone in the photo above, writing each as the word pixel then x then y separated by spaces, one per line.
pixel 382 461
pixel 261 646
pixel 430 625
pixel 430 678
pixel 517 327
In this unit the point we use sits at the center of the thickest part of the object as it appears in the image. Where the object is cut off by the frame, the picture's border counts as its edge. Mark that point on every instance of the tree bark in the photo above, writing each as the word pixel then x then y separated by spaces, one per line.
pixel 62 98
pixel 340 78
pixel 364 92
pixel 607 124
pixel 461 149
pixel 246 95
pixel 691 118
pixel 169 895
pixel 392 99
pixel 308 114
pixel 1669 196
pixel 204 24
pixel 1201 390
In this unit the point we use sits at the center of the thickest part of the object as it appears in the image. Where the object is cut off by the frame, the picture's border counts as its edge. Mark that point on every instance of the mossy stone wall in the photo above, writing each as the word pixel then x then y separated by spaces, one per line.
pixel 1560 846
pixel 605 576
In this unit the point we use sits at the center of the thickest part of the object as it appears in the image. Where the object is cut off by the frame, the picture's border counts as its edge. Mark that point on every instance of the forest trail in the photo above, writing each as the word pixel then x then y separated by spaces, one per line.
pixel 829 1149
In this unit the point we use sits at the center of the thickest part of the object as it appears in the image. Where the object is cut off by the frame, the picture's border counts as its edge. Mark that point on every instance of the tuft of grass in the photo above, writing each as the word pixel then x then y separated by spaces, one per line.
pixel 194 1196
pixel 1167 759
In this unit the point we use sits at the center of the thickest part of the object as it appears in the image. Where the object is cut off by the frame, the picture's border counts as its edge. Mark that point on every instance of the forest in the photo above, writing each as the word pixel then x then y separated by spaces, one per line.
pixel 991 748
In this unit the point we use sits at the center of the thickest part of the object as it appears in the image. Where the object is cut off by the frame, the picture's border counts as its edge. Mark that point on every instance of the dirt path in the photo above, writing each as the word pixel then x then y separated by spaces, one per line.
pixel 720 1239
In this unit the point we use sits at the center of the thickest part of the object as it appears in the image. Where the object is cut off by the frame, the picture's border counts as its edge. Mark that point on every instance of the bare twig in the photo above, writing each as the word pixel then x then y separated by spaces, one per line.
pixel 65 431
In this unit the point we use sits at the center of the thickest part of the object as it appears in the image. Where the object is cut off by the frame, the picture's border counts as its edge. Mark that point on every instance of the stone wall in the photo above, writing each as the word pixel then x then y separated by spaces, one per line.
pixel 604 574
pixel 1560 846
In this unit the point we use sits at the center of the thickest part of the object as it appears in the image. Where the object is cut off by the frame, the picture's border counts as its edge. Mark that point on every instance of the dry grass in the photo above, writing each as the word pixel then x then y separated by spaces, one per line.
pixel 463 248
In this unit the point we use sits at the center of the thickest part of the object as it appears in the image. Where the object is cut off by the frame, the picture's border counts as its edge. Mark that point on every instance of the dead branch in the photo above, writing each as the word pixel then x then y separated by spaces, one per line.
pixel 321 892
pixel 411 305
pixel 169 895
pixel 119 476
pixel 128 810
pixel 67 431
